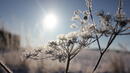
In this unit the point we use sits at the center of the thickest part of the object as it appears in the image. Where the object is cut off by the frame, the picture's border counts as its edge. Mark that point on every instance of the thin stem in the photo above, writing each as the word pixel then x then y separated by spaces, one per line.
pixel 98 44
pixel 5 67
pixel 125 29
pixel 124 33
pixel 111 39
pixel 97 62
pixel 71 48
pixel 101 55
pixel 75 53
pixel 67 65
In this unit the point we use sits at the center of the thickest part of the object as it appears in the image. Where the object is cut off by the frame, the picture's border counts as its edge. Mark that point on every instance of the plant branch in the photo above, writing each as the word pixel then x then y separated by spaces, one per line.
pixel 111 39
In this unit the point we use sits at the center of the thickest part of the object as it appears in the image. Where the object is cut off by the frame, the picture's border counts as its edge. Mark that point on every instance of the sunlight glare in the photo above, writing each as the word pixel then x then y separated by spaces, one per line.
pixel 50 21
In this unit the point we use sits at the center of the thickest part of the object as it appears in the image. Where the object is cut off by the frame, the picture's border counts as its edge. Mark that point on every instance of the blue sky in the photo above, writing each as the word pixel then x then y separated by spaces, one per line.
pixel 24 17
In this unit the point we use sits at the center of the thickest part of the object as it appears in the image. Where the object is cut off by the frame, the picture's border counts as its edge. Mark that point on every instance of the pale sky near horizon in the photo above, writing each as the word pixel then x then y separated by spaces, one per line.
pixel 25 17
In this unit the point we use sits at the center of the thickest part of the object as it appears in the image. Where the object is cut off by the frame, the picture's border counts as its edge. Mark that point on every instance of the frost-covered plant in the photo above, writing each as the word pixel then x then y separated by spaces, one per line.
pixel 109 26
pixel 67 46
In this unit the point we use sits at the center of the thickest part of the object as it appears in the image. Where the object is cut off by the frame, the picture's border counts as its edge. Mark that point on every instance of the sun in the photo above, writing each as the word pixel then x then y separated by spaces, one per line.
pixel 50 21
